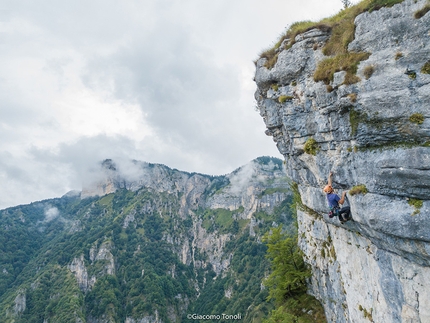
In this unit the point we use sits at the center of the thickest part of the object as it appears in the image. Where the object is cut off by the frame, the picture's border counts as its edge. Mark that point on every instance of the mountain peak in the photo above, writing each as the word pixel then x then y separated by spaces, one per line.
pixel 132 174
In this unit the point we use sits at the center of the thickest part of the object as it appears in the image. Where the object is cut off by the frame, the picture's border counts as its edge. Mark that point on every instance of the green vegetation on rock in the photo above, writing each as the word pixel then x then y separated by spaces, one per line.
pixel 298 204
pixel 287 281
pixel 357 117
pixel 340 25
pixel 311 146
pixel 220 219
pixel 412 75
pixel 267 160
pixel 358 189
pixel 285 98
pixel 396 145
pixel 272 190
pixel 347 62
pixel 426 67
pixel 417 204
pixel 417 118
pixel 398 55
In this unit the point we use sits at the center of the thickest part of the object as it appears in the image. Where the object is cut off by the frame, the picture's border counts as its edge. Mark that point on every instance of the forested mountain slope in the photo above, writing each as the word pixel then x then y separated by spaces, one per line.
pixel 160 245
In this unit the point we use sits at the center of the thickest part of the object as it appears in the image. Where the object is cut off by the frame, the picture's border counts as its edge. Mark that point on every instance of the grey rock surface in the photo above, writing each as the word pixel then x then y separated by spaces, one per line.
pixel 365 135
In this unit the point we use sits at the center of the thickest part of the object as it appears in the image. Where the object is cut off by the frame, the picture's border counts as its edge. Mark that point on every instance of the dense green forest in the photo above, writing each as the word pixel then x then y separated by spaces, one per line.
pixel 287 281
pixel 133 255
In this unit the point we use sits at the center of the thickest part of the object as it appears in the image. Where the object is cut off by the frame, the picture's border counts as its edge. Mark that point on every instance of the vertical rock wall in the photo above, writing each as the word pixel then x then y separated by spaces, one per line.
pixel 375 133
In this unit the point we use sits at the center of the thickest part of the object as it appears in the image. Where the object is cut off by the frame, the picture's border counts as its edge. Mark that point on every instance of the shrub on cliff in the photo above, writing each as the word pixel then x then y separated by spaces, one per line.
pixel 417 204
pixel 398 55
pixel 417 118
pixel 275 87
pixel 346 3
pixel 426 68
pixel 358 189
pixel 311 147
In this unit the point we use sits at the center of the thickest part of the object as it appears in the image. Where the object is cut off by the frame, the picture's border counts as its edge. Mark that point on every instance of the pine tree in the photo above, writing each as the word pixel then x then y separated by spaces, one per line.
pixel 287 281
pixel 289 271
pixel 346 3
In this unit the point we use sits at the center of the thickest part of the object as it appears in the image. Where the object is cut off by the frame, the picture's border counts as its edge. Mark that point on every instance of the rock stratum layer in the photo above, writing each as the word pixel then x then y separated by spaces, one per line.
pixel 375 133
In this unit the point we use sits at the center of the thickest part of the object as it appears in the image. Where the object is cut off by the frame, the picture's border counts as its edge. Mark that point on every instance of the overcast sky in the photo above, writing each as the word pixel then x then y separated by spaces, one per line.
pixel 161 81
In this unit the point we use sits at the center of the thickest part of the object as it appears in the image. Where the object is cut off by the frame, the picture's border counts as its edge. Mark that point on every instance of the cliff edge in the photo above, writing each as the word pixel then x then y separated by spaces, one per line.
pixel 370 125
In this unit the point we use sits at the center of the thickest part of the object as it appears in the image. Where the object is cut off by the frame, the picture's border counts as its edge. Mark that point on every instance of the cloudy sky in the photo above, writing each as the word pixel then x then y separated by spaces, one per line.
pixel 161 81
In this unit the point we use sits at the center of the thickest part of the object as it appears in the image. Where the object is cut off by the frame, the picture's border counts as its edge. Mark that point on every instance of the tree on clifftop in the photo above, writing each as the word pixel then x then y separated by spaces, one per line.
pixel 346 3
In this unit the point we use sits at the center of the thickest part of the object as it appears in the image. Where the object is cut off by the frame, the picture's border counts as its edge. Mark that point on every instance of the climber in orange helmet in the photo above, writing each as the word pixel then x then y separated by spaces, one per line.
pixel 334 200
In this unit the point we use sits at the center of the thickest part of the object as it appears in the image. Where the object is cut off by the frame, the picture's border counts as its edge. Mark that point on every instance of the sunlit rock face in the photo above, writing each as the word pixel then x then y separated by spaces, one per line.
pixel 375 133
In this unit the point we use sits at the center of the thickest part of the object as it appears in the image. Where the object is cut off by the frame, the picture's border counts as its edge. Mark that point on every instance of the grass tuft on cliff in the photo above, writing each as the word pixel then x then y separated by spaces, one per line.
pixel 295 29
pixel 358 189
pixel 285 98
pixel 422 12
pixel 347 62
pixel 368 71
pixel 341 26
pixel 426 68
pixel 417 204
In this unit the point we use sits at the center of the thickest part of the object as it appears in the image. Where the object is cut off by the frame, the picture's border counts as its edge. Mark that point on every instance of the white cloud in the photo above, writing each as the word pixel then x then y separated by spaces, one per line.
pixel 51 213
pixel 241 179
pixel 161 81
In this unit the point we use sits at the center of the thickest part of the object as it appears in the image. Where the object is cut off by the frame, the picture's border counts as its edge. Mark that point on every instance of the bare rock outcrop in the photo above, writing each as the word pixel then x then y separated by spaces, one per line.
pixel 374 133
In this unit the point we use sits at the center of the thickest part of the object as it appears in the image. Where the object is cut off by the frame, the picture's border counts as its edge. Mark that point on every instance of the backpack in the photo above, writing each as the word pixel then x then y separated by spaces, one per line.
pixel 334 211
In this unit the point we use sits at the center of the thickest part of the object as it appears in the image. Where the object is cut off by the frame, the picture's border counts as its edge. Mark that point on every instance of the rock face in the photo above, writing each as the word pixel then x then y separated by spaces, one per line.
pixel 77 267
pixel 375 133
pixel 240 191
pixel 20 302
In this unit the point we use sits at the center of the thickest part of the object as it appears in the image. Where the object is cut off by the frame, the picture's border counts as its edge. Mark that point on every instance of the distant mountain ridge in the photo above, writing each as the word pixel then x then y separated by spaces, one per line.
pixel 144 243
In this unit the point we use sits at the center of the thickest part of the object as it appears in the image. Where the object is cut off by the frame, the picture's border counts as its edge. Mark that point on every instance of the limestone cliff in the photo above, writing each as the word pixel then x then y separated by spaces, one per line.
pixel 373 133
pixel 242 192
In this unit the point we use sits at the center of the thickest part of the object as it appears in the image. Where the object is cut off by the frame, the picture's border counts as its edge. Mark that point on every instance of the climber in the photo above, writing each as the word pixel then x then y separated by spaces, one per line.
pixel 334 200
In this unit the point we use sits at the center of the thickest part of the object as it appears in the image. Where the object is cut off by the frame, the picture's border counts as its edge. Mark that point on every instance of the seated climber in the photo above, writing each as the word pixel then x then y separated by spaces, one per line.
pixel 334 200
